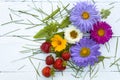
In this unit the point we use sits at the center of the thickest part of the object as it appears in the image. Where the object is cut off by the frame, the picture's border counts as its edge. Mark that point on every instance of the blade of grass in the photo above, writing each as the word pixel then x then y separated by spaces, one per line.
pixel 52 14
pixel 38 69
pixel 37 58
pixel 24 12
pixel 21 67
pixel 22 58
pixel 117 20
pixel 103 64
pixel 90 74
pixel 118 67
pixel 107 47
pixel 36 25
pixel 38 9
pixel 11 17
pixel 64 7
pixel 112 3
pixel 116 47
pixel 27 39
pixel 85 75
pixel 13 21
pixel 34 66
pixel 27 13
pixel 77 72
pixel 95 73
pixel 14 12
pixel 114 62
pixel 10 32
pixel 93 1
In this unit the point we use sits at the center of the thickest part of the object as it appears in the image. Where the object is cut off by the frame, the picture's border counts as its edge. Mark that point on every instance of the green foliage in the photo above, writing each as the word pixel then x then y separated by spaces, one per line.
pixel 65 22
pixel 52 14
pixel 105 13
pixel 101 58
pixel 47 31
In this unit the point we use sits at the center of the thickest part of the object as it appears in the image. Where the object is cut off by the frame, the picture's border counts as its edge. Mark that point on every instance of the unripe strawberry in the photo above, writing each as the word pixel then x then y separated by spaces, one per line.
pixel 66 56
pixel 59 64
pixel 49 60
pixel 45 47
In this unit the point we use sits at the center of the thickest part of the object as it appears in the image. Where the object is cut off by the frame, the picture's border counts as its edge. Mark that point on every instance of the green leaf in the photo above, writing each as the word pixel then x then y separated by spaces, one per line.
pixel 52 14
pixel 101 58
pixel 58 54
pixel 65 22
pixel 41 34
pixel 61 34
pixel 105 13
pixel 47 31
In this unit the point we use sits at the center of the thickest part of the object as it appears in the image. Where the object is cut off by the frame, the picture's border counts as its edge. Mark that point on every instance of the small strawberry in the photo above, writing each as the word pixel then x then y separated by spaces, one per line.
pixel 49 60
pixel 59 64
pixel 47 71
pixel 66 56
pixel 45 47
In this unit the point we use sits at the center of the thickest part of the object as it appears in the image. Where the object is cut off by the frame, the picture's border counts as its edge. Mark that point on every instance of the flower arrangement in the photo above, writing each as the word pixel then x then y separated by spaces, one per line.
pixel 76 40
pixel 72 38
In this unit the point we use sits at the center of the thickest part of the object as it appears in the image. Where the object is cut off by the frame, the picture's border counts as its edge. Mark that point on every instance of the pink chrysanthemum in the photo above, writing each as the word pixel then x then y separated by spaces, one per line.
pixel 101 33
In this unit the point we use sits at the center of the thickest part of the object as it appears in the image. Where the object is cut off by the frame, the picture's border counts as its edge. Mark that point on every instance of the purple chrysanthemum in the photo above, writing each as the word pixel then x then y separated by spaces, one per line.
pixel 84 15
pixel 101 33
pixel 85 52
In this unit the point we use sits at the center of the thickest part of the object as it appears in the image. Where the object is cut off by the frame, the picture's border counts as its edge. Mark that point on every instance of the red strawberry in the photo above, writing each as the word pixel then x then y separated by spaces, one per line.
pixel 47 71
pixel 59 64
pixel 45 47
pixel 49 60
pixel 66 56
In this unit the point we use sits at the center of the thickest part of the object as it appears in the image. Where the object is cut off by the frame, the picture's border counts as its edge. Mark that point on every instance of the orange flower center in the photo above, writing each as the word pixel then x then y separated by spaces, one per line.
pixel 84 52
pixel 85 15
pixel 73 34
pixel 101 32
pixel 59 42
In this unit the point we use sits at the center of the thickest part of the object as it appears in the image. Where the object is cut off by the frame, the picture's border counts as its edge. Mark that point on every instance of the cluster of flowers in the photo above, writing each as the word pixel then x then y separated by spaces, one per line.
pixel 80 41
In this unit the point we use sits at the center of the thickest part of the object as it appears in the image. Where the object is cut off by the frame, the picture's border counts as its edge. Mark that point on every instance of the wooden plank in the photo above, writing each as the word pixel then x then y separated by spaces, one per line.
pixel 12 64
pixel 57 0
pixel 113 19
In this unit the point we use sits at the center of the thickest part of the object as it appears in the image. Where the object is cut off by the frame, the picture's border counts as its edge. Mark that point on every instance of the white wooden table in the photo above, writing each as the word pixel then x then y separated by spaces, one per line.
pixel 10 46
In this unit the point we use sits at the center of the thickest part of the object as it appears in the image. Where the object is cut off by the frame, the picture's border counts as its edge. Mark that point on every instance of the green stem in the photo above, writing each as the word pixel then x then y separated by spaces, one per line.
pixel 116 47
pixel 114 62
pixel 34 67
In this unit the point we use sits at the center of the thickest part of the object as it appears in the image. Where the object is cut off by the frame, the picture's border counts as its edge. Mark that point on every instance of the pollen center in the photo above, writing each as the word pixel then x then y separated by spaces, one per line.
pixel 85 15
pixel 73 34
pixel 101 32
pixel 84 52
pixel 59 42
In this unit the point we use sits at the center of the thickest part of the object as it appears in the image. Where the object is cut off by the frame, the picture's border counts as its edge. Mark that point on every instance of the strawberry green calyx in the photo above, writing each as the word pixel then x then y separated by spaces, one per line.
pixel 52 72
pixel 64 63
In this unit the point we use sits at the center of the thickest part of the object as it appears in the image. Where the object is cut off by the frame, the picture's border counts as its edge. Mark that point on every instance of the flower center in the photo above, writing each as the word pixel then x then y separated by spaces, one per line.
pixel 101 32
pixel 59 42
pixel 84 52
pixel 73 34
pixel 85 15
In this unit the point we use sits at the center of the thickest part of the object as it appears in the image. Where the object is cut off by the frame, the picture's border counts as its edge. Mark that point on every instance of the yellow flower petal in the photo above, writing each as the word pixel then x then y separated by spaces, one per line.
pixel 58 43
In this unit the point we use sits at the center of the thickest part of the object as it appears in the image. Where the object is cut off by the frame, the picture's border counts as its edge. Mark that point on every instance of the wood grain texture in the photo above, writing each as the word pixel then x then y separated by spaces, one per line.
pixel 11 68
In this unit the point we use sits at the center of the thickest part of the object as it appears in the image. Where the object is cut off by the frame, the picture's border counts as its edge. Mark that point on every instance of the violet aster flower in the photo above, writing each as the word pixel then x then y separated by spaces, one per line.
pixel 84 15
pixel 85 52
pixel 101 33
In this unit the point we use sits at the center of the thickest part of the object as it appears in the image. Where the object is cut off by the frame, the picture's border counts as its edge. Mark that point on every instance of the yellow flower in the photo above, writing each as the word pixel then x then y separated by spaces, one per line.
pixel 58 43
